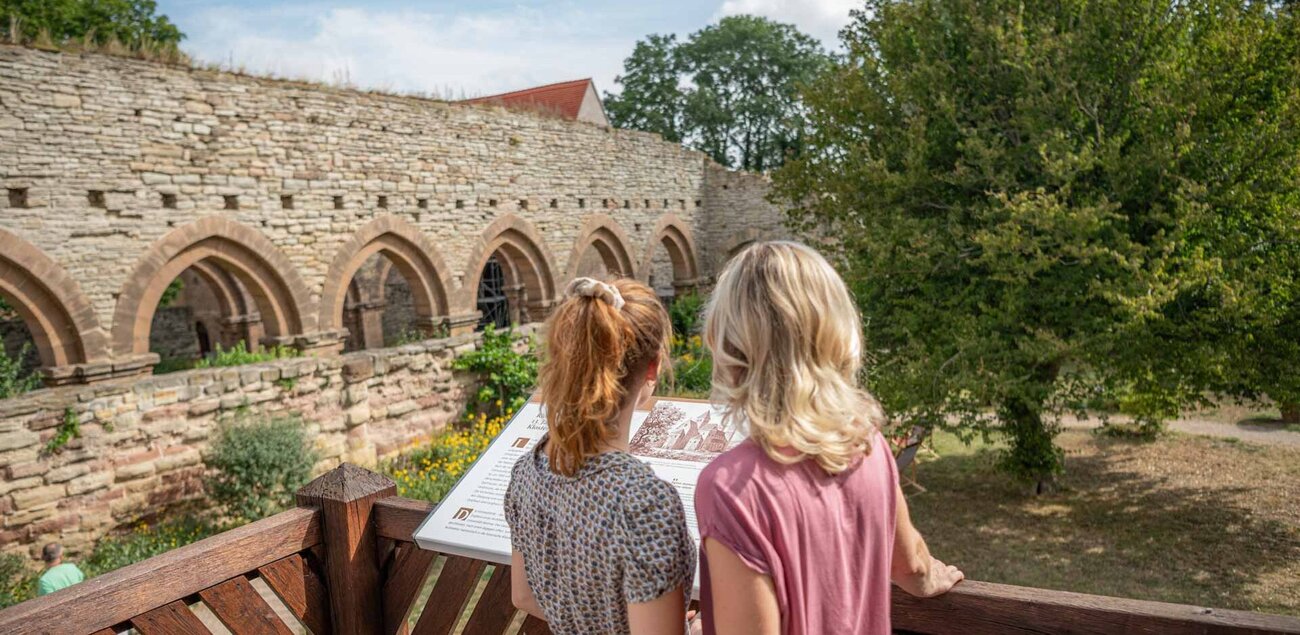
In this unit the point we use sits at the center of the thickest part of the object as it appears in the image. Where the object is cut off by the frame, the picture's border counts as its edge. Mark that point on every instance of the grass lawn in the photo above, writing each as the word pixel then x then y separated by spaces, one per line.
pixel 1194 520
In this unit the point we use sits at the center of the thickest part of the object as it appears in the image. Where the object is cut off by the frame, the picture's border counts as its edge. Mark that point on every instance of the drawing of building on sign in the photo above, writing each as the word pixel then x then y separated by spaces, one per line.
pixel 671 432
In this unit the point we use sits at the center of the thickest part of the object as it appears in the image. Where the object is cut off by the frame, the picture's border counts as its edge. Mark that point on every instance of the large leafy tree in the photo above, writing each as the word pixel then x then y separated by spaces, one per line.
pixel 130 22
pixel 1043 205
pixel 730 90
pixel 651 98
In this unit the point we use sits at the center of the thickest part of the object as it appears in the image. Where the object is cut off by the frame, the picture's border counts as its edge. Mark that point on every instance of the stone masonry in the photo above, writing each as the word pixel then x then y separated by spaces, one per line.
pixel 142 443
pixel 269 197
pixel 119 174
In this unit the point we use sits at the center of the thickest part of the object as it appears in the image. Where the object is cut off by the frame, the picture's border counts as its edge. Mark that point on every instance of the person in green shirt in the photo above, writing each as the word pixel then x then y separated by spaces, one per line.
pixel 58 574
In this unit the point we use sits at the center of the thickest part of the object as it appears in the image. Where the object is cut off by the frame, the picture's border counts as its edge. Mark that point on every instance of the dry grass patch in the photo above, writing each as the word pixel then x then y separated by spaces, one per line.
pixel 1185 519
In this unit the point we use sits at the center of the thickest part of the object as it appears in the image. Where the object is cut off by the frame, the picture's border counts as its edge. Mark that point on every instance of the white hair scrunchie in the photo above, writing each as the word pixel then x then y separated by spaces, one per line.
pixel 592 288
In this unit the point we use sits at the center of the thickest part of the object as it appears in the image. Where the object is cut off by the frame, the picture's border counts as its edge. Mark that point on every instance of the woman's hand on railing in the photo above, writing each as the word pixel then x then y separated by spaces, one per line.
pixel 938 580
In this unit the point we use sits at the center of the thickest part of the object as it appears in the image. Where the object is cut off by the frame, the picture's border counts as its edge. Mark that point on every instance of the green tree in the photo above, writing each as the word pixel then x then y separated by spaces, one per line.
pixel 651 98
pixel 1043 204
pixel 130 22
pixel 730 90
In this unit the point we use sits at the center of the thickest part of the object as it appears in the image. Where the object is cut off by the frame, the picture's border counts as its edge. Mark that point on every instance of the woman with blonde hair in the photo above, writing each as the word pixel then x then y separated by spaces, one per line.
pixel 803 525
pixel 600 543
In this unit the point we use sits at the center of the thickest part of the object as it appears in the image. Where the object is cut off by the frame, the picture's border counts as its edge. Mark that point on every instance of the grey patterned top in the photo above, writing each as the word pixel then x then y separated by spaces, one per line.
pixel 612 535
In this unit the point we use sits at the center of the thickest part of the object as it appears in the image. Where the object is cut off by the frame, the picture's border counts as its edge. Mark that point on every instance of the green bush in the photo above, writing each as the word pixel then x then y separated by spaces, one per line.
pixel 239 355
pixel 685 312
pixel 692 369
pixel 17 579
pixel 257 466
pixel 173 365
pixel 508 376
pixel 145 541
pixel 14 380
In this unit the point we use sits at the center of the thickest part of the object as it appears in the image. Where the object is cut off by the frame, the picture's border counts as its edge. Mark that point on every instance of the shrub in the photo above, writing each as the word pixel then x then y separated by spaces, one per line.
pixel 145 541
pixel 508 375
pixel 238 355
pixel 692 369
pixel 430 472
pixel 172 365
pixel 685 312
pixel 257 466
pixel 14 380
pixel 17 579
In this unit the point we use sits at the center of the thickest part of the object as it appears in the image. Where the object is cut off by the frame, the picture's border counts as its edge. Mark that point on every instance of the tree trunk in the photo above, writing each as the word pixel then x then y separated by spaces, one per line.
pixel 1290 412
pixel 1033 455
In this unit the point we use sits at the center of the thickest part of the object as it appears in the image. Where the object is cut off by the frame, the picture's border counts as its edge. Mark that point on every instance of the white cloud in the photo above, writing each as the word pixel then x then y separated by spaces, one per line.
pixel 821 19
pixel 409 50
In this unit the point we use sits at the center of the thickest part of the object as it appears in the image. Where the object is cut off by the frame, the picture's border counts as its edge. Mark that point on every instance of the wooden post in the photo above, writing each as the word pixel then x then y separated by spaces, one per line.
pixel 346 496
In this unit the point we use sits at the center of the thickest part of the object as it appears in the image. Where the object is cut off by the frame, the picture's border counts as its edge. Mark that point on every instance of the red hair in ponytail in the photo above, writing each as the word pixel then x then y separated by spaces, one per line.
pixel 600 342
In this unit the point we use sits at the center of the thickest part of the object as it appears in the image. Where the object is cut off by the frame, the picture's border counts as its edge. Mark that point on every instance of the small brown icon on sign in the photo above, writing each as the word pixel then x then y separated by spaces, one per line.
pixel 462 513
pixel 521 442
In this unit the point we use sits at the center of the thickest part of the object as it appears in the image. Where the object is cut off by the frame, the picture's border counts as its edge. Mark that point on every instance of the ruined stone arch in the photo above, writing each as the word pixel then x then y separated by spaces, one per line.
pixel 60 318
pixel 602 233
pixel 408 249
pixel 525 260
pixel 270 279
pixel 674 235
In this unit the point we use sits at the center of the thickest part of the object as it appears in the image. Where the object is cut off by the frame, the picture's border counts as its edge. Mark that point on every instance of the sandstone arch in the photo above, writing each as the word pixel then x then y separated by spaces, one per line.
pixel 407 249
pixel 674 235
pixel 59 316
pixel 525 261
pixel 603 234
pixel 270 279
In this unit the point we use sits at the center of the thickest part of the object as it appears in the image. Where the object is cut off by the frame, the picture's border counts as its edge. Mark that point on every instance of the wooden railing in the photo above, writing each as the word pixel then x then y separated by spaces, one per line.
pixel 343 562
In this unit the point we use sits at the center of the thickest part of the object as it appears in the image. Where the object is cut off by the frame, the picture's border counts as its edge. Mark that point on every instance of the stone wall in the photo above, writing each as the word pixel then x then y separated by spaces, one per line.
pixel 172 334
pixel 117 169
pixel 142 443
pixel 267 197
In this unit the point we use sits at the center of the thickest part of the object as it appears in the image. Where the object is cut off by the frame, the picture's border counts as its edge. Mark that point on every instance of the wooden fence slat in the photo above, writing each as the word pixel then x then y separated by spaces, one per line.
pixel 495 608
pixel 534 626
pixel 236 603
pixel 105 631
pixel 398 518
pixel 301 589
pixel 405 576
pixel 115 597
pixel 447 600
pixel 169 619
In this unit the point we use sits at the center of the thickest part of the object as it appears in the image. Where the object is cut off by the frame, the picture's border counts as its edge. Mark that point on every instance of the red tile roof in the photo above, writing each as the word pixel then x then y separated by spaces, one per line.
pixel 564 98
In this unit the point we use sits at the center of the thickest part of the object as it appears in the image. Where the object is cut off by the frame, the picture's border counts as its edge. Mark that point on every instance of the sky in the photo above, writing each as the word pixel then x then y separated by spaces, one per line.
pixel 455 49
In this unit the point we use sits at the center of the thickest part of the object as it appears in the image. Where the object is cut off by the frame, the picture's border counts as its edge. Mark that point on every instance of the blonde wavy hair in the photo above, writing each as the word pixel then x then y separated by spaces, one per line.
pixel 786 340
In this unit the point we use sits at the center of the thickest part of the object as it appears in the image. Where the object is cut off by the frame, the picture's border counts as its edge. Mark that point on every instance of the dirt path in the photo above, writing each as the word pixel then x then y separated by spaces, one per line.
pixel 1262 433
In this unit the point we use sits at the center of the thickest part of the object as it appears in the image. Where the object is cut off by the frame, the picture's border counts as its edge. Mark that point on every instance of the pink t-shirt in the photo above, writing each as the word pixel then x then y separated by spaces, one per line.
pixel 826 541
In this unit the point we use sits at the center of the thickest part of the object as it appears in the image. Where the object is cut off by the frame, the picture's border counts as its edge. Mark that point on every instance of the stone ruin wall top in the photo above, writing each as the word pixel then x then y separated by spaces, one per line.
pixel 112 156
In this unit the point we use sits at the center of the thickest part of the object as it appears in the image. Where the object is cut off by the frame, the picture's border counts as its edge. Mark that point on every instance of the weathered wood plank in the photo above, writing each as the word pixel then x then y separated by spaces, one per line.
pixel 346 496
pixel 449 594
pixel 236 603
pixel 105 631
pixel 168 619
pixel 295 581
pixel 494 610
pixel 534 626
pixel 398 518
pixel 118 596
pixel 976 608
pixel 406 573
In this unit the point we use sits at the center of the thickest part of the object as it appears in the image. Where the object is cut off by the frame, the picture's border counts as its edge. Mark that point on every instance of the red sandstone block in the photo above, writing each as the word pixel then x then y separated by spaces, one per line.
pixel 138 457
pixel 24 470
pixel 53 525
